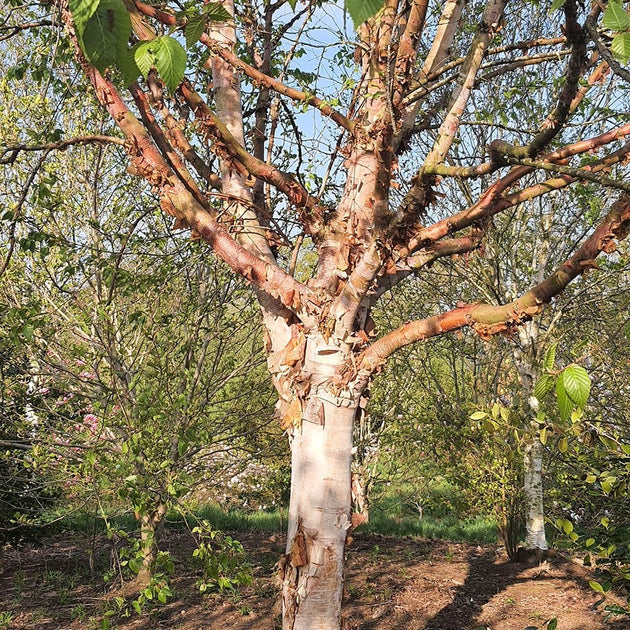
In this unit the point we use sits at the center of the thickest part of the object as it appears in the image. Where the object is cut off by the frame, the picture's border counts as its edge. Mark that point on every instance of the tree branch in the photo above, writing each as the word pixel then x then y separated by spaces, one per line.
pixel 554 122
pixel 491 202
pixel 490 23
pixel 311 213
pixel 616 67
pixel 178 201
pixel 253 73
pixel 10 153
pixel 487 319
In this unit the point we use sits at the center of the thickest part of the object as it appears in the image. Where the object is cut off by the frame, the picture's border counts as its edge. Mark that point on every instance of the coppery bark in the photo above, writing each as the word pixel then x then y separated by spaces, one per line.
pixel 319 335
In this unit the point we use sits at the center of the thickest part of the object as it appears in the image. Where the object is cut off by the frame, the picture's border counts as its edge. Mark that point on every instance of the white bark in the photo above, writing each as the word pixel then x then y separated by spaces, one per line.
pixel 533 488
pixel 319 511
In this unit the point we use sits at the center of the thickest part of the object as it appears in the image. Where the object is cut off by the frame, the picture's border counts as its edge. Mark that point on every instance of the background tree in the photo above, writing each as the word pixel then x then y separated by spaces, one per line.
pixel 418 70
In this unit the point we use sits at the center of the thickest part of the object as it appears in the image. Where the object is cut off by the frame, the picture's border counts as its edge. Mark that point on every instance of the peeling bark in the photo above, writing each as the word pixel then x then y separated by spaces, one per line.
pixel 319 511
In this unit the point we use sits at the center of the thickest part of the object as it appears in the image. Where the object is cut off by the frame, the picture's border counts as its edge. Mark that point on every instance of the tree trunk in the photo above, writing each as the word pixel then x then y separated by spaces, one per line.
pixel 150 527
pixel 533 489
pixel 526 358
pixel 319 511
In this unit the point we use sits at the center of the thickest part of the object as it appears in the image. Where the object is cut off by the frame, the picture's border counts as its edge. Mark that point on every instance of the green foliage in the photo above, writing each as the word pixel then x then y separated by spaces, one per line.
pixel 82 11
pixel 362 10
pixel 166 55
pixel 6 619
pixel 496 466
pixel 616 18
pixel 572 387
pixel 221 560
pixel 620 47
pixel 106 33
pixel 572 390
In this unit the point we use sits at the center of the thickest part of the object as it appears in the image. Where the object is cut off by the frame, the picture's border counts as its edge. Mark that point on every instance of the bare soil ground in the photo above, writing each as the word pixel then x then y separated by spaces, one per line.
pixel 392 583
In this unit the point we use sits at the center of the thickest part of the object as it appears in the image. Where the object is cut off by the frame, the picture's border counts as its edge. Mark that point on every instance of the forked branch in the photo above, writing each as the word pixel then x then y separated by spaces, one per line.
pixel 488 319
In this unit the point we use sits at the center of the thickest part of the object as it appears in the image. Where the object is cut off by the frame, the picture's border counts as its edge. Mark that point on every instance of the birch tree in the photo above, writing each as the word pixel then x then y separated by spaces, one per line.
pixel 400 120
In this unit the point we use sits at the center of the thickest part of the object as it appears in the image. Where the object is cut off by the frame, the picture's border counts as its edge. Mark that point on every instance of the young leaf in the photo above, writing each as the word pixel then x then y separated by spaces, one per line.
pixel 550 357
pixel 193 31
pixel 565 404
pixel 106 34
pixel 362 10
pixel 170 61
pixel 82 11
pixel 596 586
pixel 216 12
pixel 556 4
pixel 615 17
pixel 128 68
pixel 543 386
pixel 620 47
pixel 563 445
pixel 577 384
pixel 144 56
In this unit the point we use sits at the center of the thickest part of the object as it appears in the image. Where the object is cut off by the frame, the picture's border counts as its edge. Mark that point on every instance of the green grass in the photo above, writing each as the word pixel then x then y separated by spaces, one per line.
pixel 475 530
pixel 384 519
pixel 242 520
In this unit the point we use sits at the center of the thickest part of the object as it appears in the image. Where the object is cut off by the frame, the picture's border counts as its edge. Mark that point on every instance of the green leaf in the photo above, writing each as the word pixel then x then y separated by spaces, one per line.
pixel 478 415
pixel 82 11
pixel 556 4
pixel 362 10
pixel 615 17
pixel 170 61
pixel 565 404
pixel 292 3
pixel 563 445
pixel 552 624
pixel 106 34
pixel 162 596
pixel 543 436
pixel 567 526
pixel 596 586
pixel 577 384
pixel 550 357
pixel 166 55
pixel 543 386
pixel 194 31
pixel 621 47
pixel 128 67
pixel 216 12
pixel 589 542
pixel 144 56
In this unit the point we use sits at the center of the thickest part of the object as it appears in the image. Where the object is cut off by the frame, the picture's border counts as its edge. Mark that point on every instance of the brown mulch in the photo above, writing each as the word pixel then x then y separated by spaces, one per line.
pixel 392 583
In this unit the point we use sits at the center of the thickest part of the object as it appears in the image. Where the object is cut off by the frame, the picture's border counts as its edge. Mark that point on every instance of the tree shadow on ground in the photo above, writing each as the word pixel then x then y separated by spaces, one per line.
pixel 485 580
